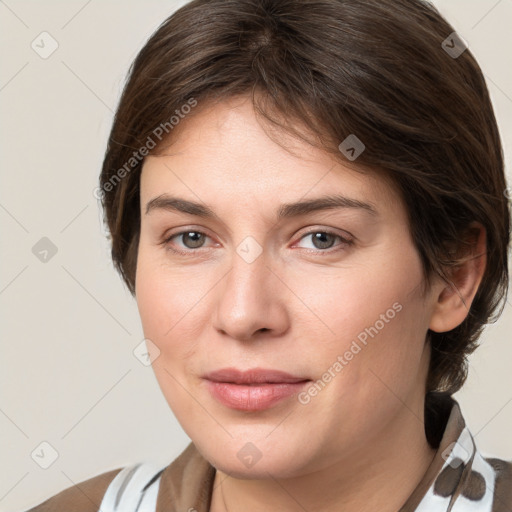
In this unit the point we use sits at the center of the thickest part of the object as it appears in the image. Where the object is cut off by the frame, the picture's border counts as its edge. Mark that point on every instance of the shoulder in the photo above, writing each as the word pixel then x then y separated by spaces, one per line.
pixel 85 496
pixel 126 488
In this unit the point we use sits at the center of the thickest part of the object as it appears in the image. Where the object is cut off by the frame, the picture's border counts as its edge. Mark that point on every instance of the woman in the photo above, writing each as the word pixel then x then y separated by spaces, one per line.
pixel 307 200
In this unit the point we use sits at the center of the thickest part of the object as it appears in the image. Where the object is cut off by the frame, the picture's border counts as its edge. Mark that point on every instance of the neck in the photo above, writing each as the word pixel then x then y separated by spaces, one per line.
pixel 380 478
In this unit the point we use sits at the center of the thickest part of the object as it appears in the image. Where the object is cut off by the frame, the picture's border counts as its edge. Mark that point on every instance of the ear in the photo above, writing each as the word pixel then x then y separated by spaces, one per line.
pixel 453 300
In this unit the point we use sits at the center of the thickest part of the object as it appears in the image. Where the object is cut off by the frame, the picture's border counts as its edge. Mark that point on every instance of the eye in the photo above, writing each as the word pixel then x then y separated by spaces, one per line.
pixel 323 240
pixel 191 239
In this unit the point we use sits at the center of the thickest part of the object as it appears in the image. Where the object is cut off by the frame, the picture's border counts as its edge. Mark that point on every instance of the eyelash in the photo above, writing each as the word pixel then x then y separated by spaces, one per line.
pixel 343 245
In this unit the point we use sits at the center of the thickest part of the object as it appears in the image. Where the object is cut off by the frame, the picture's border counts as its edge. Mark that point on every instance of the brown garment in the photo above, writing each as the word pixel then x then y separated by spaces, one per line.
pixel 83 497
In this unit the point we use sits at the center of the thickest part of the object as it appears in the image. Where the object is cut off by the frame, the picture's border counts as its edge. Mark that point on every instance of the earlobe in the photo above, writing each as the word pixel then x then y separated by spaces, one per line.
pixel 453 299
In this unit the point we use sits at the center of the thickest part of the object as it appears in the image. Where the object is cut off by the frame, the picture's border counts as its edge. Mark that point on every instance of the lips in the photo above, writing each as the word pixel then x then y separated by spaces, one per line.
pixel 252 390
pixel 253 376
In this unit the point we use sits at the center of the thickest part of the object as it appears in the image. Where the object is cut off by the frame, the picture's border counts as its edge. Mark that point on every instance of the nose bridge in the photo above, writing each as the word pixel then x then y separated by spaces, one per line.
pixel 248 299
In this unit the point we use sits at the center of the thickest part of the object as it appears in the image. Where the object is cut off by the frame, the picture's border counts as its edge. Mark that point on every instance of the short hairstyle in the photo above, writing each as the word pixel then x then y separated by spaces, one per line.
pixel 381 70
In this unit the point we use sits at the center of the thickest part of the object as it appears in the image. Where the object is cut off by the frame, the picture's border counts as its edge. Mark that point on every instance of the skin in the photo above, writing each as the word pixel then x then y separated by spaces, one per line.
pixel 296 307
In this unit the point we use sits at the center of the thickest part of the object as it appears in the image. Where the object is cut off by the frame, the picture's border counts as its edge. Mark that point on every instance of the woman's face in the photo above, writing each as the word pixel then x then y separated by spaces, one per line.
pixel 331 296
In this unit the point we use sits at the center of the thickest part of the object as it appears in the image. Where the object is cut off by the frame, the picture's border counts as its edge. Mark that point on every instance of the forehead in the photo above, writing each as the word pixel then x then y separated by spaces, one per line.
pixel 224 152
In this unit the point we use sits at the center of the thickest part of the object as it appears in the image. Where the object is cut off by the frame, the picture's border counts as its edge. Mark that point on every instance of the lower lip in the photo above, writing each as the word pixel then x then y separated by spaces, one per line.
pixel 253 398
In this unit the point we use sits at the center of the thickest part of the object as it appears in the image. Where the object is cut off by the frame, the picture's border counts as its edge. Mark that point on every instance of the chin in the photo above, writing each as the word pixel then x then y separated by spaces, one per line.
pixel 245 460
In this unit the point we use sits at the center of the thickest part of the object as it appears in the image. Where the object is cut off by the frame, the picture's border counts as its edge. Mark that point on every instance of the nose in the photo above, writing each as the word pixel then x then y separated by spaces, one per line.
pixel 251 301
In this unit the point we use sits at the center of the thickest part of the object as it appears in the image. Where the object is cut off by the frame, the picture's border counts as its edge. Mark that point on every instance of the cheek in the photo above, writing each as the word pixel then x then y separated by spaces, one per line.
pixel 344 302
pixel 171 306
pixel 374 317
pixel 373 364
pixel 163 313
pixel 152 300
pixel 159 303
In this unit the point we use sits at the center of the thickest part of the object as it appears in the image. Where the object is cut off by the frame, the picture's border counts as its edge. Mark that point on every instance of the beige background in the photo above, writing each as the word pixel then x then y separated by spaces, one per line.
pixel 69 327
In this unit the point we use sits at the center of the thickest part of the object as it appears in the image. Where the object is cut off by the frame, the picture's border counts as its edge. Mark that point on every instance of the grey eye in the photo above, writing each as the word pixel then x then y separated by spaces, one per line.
pixel 194 238
pixel 321 239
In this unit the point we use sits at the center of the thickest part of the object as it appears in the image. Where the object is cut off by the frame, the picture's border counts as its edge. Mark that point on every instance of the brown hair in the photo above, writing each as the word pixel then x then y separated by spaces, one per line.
pixel 377 69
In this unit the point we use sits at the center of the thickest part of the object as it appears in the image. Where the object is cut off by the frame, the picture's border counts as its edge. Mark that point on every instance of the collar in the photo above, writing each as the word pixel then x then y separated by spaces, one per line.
pixel 458 479
pixel 450 479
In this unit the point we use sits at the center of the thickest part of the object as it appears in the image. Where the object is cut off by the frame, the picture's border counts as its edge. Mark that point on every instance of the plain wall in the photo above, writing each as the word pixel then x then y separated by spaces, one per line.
pixel 69 326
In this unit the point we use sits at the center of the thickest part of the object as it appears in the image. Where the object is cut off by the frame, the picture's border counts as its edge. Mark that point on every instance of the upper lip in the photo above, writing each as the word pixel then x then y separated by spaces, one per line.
pixel 254 375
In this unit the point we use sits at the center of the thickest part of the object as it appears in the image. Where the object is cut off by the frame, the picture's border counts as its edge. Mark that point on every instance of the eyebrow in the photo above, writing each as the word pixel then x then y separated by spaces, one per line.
pixel 286 210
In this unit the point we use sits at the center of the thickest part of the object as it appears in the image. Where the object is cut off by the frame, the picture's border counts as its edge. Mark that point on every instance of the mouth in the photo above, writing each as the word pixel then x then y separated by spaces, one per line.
pixel 253 390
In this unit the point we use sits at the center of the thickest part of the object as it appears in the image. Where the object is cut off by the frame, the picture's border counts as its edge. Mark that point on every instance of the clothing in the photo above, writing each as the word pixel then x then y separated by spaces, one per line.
pixel 459 479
